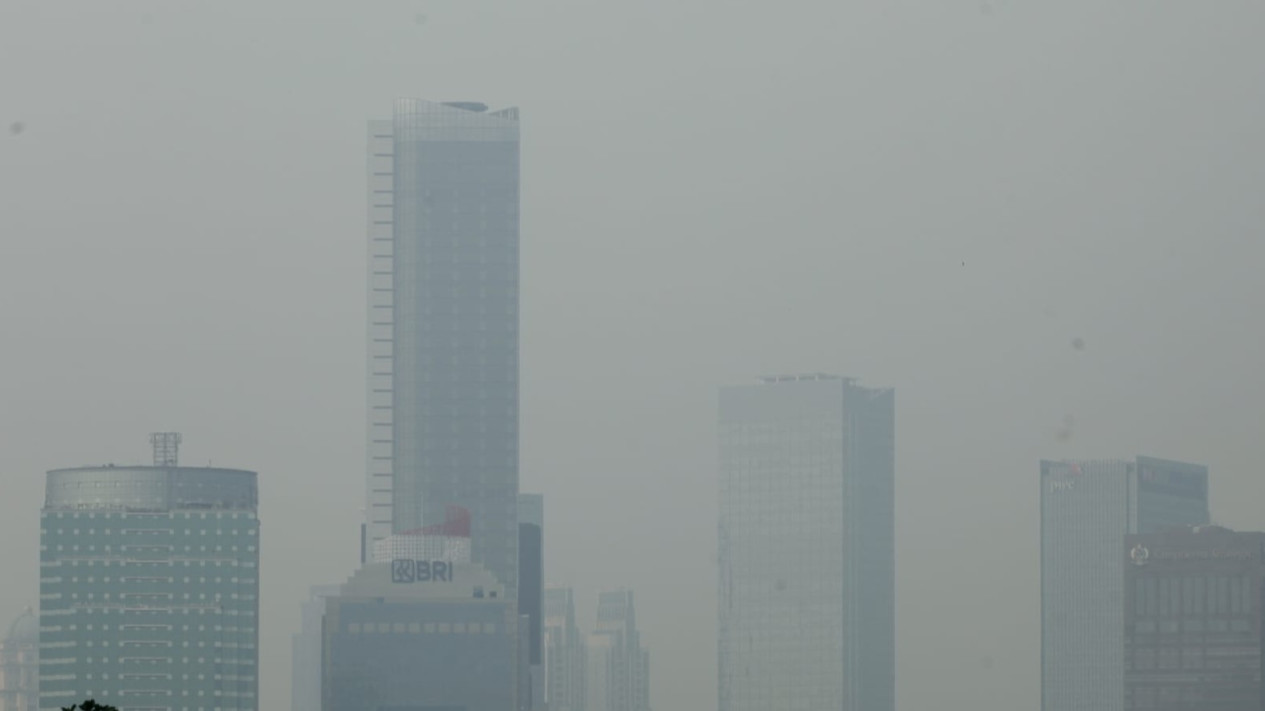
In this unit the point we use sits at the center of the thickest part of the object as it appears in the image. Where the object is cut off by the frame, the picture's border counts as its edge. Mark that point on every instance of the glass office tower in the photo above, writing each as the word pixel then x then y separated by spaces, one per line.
pixel 807 558
pixel 443 325
pixel 1087 509
pixel 149 588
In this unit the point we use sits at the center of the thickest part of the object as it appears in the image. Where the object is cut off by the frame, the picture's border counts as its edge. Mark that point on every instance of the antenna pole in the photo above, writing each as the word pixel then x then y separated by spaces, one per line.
pixel 166 448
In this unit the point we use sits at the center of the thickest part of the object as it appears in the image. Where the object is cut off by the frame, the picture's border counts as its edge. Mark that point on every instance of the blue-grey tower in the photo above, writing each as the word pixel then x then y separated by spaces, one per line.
pixel 807 557
pixel 443 325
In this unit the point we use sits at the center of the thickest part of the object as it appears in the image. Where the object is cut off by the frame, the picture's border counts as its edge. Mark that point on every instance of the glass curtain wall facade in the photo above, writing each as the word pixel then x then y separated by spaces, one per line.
pixel 1087 508
pixel 149 589
pixel 443 324
pixel 807 557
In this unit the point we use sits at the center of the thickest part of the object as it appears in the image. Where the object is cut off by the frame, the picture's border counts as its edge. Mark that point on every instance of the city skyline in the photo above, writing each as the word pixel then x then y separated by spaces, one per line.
pixel 1034 221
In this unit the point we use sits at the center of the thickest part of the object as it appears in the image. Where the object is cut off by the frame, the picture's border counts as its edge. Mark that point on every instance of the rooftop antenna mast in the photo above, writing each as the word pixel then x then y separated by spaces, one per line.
pixel 166 448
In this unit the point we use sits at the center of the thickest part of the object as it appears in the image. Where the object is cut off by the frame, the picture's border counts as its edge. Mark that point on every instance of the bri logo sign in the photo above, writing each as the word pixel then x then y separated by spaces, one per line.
pixel 404 570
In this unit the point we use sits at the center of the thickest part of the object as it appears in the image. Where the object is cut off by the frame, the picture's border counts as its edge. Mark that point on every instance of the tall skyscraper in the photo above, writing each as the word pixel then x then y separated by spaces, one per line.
pixel 20 664
pixel 443 325
pixel 149 586
pixel 807 558
pixel 531 590
pixel 1087 509
pixel 564 652
pixel 1192 613
pixel 617 668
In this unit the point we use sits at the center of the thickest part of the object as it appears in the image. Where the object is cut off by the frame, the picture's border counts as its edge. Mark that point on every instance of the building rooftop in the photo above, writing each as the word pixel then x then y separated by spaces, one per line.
pixel 802 376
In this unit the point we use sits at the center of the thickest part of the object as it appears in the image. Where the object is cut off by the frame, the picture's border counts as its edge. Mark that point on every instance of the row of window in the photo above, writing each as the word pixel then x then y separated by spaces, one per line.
pixel 189 549
pixel 132 676
pixel 241 693
pixel 421 628
pixel 214 609
pixel 239 661
pixel 143 597
pixel 1193 595
pixel 130 579
pixel 1146 627
pixel 171 515
pixel 1192 663
pixel 107 562
pixel 162 627
pixel 154 531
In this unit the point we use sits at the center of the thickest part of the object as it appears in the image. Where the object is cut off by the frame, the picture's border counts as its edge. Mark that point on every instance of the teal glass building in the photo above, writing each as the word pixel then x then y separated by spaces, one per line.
pixel 149 588
pixel 807 617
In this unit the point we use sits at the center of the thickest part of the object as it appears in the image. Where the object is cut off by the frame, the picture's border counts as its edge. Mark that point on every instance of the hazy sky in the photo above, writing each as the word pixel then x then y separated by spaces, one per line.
pixel 940 196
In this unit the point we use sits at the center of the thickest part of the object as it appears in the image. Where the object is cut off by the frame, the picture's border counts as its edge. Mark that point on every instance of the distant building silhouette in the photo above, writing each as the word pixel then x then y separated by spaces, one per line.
pixel 19 664
pixel 1087 509
pixel 617 668
pixel 305 651
pixel 806 538
pixel 564 653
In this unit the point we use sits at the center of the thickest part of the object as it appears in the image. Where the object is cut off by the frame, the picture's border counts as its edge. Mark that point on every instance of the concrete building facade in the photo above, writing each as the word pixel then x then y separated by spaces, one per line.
pixel 1192 613
pixel 420 635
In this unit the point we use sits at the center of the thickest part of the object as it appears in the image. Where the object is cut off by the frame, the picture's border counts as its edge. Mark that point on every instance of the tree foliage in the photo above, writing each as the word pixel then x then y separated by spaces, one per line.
pixel 89 705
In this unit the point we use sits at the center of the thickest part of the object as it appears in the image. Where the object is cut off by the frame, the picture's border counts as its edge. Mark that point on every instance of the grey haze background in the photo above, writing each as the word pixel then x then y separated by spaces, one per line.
pixel 938 196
